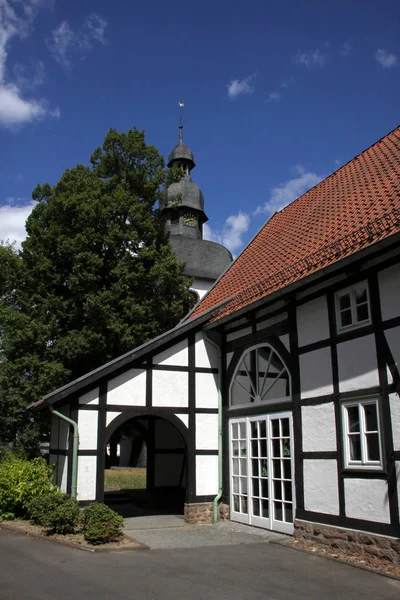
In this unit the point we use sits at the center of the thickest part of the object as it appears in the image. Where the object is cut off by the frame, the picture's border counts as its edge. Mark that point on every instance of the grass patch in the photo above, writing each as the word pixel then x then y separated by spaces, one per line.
pixel 125 479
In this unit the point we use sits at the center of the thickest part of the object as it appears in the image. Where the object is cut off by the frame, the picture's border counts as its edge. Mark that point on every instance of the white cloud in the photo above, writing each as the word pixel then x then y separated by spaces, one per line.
pixel 385 59
pixel 273 97
pixel 14 109
pixel 232 232
pixel 238 87
pixel 288 191
pixel 286 83
pixel 12 221
pixel 346 49
pixel 29 76
pixel 64 41
pixel 310 59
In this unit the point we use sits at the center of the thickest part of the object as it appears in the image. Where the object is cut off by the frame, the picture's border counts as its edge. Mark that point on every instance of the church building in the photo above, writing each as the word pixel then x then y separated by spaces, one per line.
pixel 275 402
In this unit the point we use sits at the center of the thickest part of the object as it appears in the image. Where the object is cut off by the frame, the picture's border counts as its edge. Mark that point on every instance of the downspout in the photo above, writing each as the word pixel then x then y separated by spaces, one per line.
pixel 219 388
pixel 75 445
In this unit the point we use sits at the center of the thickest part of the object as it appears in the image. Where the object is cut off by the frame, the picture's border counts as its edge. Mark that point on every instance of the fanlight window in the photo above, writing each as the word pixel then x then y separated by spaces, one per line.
pixel 261 376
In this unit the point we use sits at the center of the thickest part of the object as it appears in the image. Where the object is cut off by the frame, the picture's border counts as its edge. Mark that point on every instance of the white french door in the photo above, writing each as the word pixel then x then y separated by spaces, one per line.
pixel 261 471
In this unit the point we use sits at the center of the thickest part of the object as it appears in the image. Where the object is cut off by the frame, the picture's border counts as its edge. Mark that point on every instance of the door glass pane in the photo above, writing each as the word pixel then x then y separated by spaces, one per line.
pixel 243 504
pixel 256 507
pixel 265 508
pixel 253 429
pixel 235 448
pixel 256 487
pixel 243 466
pixel 263 448
pixel 242 430
pixel 236 504
pixel 264 468
pixel 289 513
pixel 243 485
pixel 277 490
pixel 235 483
pixel 285 427
pixel 276 448
pixel 262 429
pixel 243 448
pixel 235 430
pixel 275 428
pixel 254 467
pixel 235 466
pixel 264 488
pixel 254 447
pixel 287 490
pixel 278 511
pixel 287 469
pixel 286 447
pixel 277 468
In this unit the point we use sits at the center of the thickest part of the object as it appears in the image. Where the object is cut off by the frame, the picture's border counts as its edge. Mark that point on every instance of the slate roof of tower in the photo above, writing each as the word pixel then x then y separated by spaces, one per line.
pixel 190 192
pixel 354 207
pixel 180 151
pixel 202 258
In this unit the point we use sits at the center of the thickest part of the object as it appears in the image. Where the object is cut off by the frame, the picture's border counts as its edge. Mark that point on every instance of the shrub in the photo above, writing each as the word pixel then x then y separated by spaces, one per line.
pixel 101 524
pixel 55 511
pixel 21 480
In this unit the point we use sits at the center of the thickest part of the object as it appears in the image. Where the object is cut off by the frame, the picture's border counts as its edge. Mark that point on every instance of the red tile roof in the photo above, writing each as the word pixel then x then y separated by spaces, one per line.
pixel 354 207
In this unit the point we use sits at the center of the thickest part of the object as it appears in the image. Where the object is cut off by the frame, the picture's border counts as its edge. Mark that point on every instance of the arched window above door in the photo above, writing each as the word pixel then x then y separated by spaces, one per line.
pixel 260 377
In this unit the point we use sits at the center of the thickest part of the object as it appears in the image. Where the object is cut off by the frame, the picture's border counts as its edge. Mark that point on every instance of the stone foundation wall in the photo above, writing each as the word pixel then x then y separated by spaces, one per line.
pixel 349 540
pixel 202 512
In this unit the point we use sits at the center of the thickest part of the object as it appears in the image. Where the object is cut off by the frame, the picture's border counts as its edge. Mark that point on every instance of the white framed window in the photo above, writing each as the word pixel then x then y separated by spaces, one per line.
pixel 362 434
pixel 353 307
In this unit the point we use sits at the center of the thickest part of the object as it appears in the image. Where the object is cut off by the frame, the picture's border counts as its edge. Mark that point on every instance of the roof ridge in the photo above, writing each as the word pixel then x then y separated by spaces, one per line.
pixel 337 170
pixel 261 286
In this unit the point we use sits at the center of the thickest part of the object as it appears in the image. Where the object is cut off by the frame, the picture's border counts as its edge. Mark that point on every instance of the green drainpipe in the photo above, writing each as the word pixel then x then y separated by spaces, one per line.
pixel 75 445
pixel 219 387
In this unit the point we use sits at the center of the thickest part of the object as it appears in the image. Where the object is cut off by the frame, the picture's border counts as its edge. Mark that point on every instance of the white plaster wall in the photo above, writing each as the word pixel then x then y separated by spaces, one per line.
pixel 285 341
pixel 367 499
pixel 316 373
pixel 238 334
pixel 63 472
pixel 206 390
pixel 397 465
pixel 176 355
pixel 206 353
pixel 393 339
pixel 110 416
pixel 357 362
pixel 184 418
pixel 389 286
pixel 201 286
pixel 91 397
pixel 206 432
pixel 206 475
pixel 321 486
pixel 170 388
pixel 87 466
pixel 318 428
pixel 394 401
pixel 128 388
pixel 389 375
pixel 87 426
pixel 312 321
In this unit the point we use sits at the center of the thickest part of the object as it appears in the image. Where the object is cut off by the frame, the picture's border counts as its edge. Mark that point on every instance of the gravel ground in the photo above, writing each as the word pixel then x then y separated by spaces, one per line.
pixel 224 533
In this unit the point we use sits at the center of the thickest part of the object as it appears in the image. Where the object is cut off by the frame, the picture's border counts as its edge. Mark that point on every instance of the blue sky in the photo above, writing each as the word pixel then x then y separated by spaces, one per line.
pixel 277 94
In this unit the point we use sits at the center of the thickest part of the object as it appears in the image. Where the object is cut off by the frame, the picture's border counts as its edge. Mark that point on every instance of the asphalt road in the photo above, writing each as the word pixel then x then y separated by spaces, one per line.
pixel 32 569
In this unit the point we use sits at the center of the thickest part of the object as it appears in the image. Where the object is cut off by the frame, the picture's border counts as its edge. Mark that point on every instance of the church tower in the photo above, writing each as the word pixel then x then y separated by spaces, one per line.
pixel 183 207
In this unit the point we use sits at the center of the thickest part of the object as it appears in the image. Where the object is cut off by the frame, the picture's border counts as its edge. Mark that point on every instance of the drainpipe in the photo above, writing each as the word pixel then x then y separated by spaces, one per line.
pixel 75 445
pixel 219 388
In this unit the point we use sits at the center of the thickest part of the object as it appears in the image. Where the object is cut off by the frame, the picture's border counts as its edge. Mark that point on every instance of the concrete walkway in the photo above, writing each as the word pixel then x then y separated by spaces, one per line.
pixel 171 531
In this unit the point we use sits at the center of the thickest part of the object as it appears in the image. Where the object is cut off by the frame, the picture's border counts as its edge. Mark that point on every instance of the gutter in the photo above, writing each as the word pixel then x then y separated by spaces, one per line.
pixel 74 478
pixel 219 388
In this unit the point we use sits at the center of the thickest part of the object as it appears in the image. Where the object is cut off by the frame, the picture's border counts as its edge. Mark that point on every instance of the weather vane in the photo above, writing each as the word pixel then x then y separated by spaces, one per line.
pixel 181 105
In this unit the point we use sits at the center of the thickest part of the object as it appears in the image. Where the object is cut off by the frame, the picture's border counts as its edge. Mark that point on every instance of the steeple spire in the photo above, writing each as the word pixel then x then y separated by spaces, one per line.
pixel 181 105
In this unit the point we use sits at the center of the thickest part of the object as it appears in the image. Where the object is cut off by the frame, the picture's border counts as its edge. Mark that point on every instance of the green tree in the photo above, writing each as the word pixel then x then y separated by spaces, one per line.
pixel 97 275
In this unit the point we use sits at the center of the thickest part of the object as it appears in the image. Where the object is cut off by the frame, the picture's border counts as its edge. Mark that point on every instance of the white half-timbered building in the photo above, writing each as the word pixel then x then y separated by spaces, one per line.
pixel 295 351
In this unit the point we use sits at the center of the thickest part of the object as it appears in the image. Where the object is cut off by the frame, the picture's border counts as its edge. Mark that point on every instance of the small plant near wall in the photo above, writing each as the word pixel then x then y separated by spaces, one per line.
pixel 101 524
pixel 56 512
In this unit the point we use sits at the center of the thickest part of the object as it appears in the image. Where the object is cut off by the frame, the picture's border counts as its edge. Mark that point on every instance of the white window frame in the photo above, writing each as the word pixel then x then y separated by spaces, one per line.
pixel 364 463
pixel 354 323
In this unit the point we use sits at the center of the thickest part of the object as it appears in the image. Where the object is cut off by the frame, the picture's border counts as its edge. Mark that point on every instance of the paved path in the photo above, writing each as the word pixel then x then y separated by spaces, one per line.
pixel 164 531
pixel 33 569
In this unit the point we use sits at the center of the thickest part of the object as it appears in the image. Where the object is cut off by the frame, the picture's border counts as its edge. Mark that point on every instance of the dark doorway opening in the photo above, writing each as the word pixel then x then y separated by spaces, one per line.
pixel 146 467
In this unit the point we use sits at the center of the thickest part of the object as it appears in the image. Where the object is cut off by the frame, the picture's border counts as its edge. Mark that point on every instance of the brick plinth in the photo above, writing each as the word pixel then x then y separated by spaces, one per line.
pixel 349 540
pixel 202 512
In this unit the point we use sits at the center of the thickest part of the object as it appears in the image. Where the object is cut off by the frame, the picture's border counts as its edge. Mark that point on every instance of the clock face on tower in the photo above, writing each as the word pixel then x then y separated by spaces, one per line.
pixel 190 219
